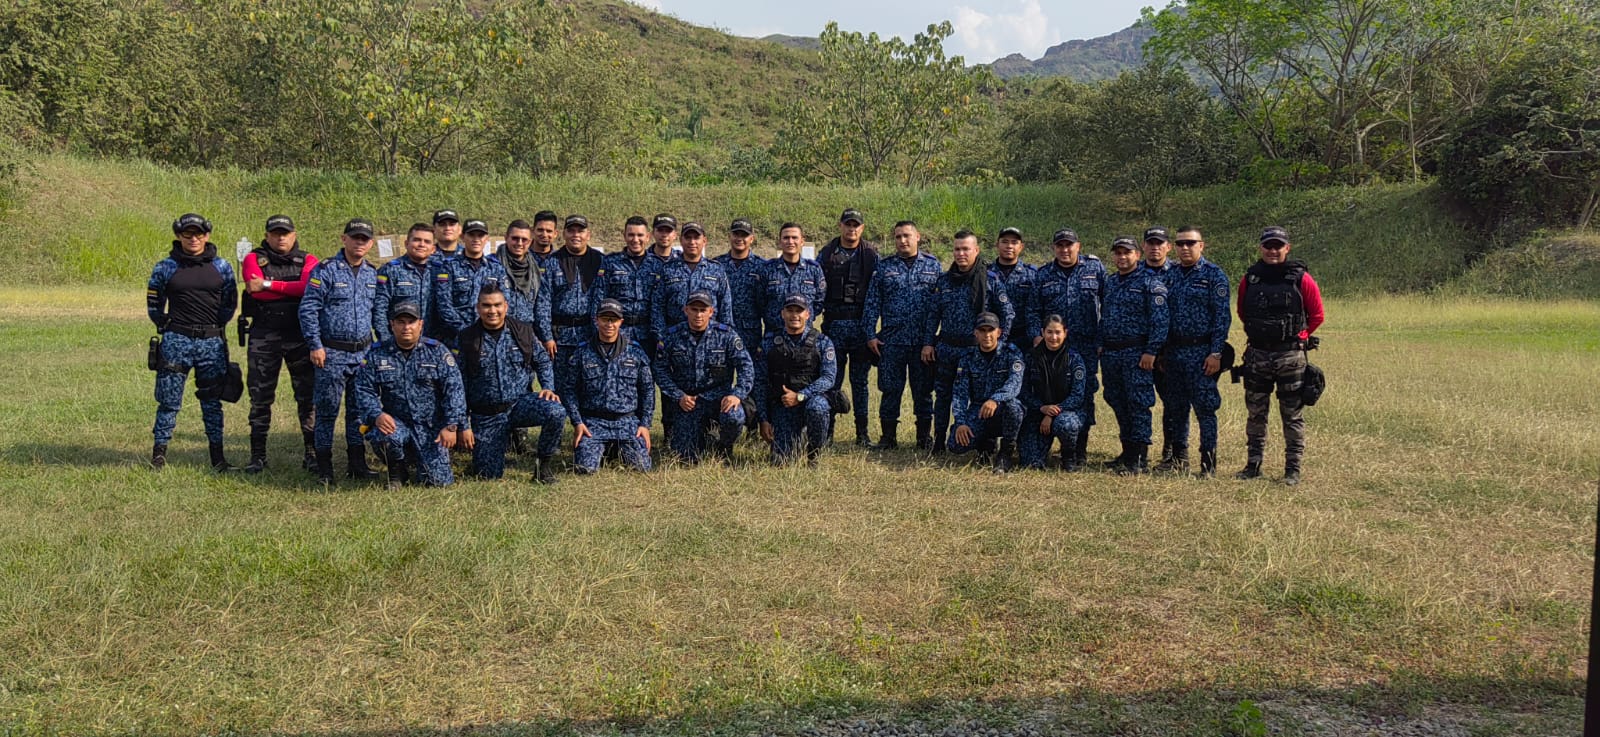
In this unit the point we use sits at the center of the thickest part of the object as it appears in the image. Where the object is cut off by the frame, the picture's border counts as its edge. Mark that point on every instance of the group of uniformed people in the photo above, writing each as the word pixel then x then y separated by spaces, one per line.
pixel 440 347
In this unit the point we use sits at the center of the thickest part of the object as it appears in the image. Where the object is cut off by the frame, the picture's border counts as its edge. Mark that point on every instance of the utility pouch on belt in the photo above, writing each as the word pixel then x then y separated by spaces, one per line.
pixel 153 358
pixel 232 384
pixel 838 403
pixel 1312 384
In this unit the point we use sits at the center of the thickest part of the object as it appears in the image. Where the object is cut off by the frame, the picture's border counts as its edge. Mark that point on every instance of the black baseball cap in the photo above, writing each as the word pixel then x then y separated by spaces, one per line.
pixel 190 221
pixel 1125 241
pixel 987 320
pixel 1275 233
pixel 475 226
pixel 576 221
pixel 1157 233
pixel 796 300
pixel 440 216
pixel 851 215
pixel 609 307
pixel 1010 231
pixel 406 308
pixel 359 226
pixel 694 226
pixel 665 220
pixel 1065 234
pixel 280 222
pixel 742 226
pixel 701 298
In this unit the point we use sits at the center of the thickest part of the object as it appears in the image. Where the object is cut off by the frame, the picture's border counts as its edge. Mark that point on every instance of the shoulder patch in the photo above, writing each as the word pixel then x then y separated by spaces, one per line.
pixel 1160 300
pixel 449 359
pixel 1078 373
pixel 315 282
pixel 1016 365
pixel 383 277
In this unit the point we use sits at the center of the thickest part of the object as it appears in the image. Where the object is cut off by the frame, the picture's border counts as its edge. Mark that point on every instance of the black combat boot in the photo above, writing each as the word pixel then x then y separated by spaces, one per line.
pixel 1208 463
pixel 862 439
pixel 309 462
pixel 813 454
pixel 357 468
pixel 1080 452
pixel 1002 459
pixel 399 473
pixel 325 467
pixel 1066 456
pixel 1175 459
pixel 1291 473
pixel 925 433
pixel 886 440
pixel 546 472
pixel 1167 449
pixel 1251 470
pixel 258 453
pixel 219 463
pixel 1119 464
pixel 158 456
pixel 1141 459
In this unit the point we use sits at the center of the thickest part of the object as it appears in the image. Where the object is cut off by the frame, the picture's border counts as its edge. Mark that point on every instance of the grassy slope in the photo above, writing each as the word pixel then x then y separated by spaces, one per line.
pixel 1434 566
pixel 109 220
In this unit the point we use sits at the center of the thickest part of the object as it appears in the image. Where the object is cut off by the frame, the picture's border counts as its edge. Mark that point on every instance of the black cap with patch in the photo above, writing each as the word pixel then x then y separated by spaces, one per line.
pixel 576 221
pixel 1010 231
pixel 851 215
pixel 278 223
pixel 405 309
pixel 359 226
pixel 987 320
pixel 1275 233
pixel 701 298
pixel 692 226
pixel 665 221
pixel 609 307
pixel 1125 241
pixel 741 226
pixel 796 300
pixel 1065 234
pixel 190 221
pixel 440 216
pixel 1157 233
pixel 475 226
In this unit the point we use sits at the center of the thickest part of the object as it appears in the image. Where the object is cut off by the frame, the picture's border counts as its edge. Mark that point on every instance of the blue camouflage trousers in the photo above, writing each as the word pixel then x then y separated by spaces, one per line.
pixel 415 442
pixel 855 361
pixel 946 359
pixel 1130 391
pixel 688 435
pixel 208 358
pixel 491 433
pixel 617 433
pixel 1004 424
pixel 336 383
pixel 899 364
pixel 1033 447
pixel 811 417
pixel 1090 355
pixel 1189 387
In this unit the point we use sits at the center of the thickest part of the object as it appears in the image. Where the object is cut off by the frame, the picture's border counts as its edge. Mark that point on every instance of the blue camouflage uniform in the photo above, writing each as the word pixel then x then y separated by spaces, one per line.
pixel 1075 294
pixel 404 280
pixel 1159 376
pixel 842 312
pixel 421 389
pixel 677 279
pixel 709 367
pixel 614 396
pixel 534 308
pixel 189 298
pixel 571 316
pixel 1019 281
pixel 812 416
pixel 780 281
pixel 1135 324
pixel 1061 382
pixel 744 279
pixel 336 316
pixel 628 280
pixel 455 292
pixel 899 297
pixel 1197 302
pixel 948 329
pixel 981 377
pixel 499 377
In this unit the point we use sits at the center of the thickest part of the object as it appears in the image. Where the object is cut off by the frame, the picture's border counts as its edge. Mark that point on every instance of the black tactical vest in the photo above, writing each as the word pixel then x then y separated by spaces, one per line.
pixel 1274 311
pixel 794 366
pixel 279 314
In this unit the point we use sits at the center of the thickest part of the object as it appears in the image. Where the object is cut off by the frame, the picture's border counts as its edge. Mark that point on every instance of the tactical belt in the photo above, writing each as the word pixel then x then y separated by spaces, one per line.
pixel 632 322
pixel 958 341
pixel 1114 345
pixel 1187 341
pixel 843 312
pixel 603 415
pixel 491 409
pixel 571 322
pixel 195 332
pixel 1293 345
pixel 347 346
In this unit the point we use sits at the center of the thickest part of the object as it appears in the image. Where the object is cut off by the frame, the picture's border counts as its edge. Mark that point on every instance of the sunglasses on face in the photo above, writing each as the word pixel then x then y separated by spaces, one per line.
pixel 1185 244
pixel 1274 246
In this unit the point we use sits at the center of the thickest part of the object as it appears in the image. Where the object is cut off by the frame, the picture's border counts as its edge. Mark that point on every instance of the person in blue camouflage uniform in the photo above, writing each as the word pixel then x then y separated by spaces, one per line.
pixel 1072 285
pixel 410 398
pixel 1018 277
pixel 608 391
pixel 787 276
pixel 191 296
pixel 987 385
pixel 457 282
pixel 1131 336
pixel 898 296
pixel 571 275
pixel 546 233
pixel 1157 246
pixel 704 368
pixel 407 279
pixel 1052 398
pixel 686 274
pixel 963 292
pixel 848 263
pixel 1198 295
pixel 446 238
pixel 744 270
pixel 500 355
pixel 801 368
pixel 627 277
pixel 336 318
pixel 527 293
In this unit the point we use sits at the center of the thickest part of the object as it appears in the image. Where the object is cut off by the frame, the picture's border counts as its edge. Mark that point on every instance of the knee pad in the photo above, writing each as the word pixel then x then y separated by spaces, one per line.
pixel 207 387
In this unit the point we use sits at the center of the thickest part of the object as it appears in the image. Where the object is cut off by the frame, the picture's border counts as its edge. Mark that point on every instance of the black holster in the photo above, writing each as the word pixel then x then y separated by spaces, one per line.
pixel 153 358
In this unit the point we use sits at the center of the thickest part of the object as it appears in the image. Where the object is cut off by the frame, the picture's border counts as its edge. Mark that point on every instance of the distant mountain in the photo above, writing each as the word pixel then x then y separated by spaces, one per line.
pixel 1085 60
pixel 808 43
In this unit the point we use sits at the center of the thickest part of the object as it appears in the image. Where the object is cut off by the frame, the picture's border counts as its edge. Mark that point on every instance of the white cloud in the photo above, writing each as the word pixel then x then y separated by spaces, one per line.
pixel 983 37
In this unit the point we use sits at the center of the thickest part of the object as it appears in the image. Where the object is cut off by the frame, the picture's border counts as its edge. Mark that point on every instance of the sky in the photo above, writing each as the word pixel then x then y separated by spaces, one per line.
pixel 984 31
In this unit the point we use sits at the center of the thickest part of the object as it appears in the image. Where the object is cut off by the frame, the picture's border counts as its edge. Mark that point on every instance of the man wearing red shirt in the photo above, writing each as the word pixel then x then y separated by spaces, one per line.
pixel 275 276
pixel 1280 306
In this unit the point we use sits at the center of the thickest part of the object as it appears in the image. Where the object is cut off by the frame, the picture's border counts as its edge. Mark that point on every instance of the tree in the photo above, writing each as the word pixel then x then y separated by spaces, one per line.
pixel 882 109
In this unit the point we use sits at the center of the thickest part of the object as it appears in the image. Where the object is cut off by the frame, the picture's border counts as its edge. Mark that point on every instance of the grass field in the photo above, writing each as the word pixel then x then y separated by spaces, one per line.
pixel 1433 570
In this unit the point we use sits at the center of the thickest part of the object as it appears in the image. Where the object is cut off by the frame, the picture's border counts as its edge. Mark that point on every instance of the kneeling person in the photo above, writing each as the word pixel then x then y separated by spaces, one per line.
pixel 801 368
pixel 609 394
pixel 499 357
pixel 408 392
pixel 1053 392
pixel 703 366
pixel 987 384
